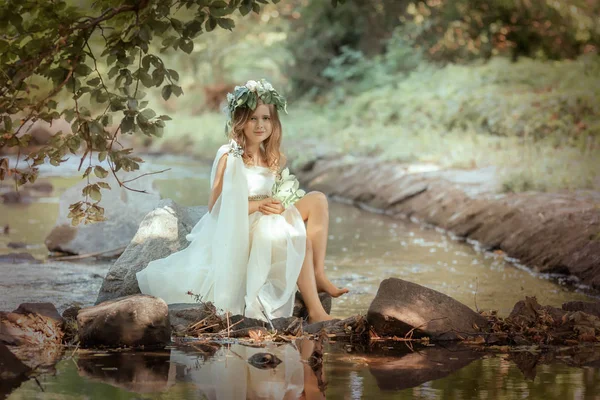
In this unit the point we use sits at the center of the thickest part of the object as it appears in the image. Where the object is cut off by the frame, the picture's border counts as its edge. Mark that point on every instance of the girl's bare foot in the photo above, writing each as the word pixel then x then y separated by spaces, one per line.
pixel 325 285
pixel 318 318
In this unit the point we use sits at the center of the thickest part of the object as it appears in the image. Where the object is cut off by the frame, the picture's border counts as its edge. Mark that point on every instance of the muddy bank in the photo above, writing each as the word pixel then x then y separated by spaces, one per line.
pixel 549 232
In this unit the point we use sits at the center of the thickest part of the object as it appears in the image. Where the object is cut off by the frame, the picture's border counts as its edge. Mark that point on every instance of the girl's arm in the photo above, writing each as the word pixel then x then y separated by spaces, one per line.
pixel 217 187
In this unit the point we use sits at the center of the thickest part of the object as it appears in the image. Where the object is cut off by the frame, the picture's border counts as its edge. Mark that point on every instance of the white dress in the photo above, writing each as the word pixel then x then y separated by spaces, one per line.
pixel 242 263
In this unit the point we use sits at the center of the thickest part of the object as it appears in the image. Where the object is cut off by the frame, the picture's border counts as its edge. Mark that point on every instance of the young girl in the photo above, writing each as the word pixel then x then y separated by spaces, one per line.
pixel 249 253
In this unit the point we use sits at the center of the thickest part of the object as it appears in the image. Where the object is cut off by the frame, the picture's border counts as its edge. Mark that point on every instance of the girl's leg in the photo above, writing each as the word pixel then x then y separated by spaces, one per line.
pixel 308 289
pixel 315 211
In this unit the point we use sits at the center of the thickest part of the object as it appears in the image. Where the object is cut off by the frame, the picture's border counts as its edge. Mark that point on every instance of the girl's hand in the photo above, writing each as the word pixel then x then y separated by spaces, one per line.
pixel 271 206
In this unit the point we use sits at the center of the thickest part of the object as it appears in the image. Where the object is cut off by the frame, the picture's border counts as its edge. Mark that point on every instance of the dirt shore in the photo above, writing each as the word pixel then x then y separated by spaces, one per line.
pixel 548 232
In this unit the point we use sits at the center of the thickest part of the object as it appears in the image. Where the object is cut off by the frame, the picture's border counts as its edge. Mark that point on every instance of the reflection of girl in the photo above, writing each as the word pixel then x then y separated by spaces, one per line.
pixel 229 375
pixel 248 253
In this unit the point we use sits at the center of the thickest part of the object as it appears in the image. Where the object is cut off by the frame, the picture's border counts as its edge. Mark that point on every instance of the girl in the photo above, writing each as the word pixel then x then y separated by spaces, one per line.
pixel 248 253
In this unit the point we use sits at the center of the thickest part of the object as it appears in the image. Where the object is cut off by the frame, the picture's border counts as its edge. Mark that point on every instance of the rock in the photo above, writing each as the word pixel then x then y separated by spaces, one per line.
pixel 123 210
pixel 30 329
pixel 19 258
pixel 264 360
pixel 586 307
pixel 45 309
pixel 16 245
pixel 300 309
pixel 402 306
pixel 161 232
pixel 20 197
pixel 186 314
pixel 137 320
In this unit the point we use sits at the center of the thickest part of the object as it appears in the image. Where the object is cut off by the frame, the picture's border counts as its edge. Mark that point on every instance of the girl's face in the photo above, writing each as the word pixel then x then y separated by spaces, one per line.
pixel 259 126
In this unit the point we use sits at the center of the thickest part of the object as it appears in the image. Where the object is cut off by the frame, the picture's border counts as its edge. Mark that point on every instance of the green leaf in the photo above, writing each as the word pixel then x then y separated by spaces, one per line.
pixel 177 91
pixel 127 124
pixel 145 78
pixel 86 173
pixel 102 156
pixel 186 45
pixel 218 4
pixel 173 74
pixel 246 8
pixel 93 82
pixel 95 193
pixel 211 24
pixel 165 118
pixel 7 123
pixel 256 8
pixel 104 185
pixel 166 92
pixel 226 23
pixel 158 76
pixel 96 127
pixel 100 172
pixel 148 113
pixel 83 70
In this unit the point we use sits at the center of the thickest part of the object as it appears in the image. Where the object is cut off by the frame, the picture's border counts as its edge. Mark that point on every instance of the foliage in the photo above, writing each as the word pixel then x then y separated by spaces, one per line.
pixel 54 42
pixel 326 52
pixel 460 30
pixel 319 33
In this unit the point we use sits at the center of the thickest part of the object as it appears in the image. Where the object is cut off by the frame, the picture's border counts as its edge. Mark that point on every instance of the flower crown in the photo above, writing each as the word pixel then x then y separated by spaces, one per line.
pixel 248 95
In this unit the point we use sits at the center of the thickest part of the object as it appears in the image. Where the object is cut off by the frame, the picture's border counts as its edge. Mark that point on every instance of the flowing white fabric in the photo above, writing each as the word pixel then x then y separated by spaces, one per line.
pixel 235 259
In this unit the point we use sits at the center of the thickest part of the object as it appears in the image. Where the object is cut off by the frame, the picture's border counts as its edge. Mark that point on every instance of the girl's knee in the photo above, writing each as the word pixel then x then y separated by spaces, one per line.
pixel 319 197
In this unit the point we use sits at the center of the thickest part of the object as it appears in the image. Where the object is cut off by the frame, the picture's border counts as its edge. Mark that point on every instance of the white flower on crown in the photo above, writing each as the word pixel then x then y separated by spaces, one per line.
pixel 252 85
pixel 268 87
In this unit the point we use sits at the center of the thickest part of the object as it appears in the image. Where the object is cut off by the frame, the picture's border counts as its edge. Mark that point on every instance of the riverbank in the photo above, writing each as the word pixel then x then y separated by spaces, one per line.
pixel 553 233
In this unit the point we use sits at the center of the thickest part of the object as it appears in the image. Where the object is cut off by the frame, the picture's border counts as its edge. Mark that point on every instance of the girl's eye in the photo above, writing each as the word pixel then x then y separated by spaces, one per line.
pixel 267 118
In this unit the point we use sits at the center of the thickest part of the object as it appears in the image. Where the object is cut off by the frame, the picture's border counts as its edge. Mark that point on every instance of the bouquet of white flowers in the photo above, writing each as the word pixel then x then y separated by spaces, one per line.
pixel 286 189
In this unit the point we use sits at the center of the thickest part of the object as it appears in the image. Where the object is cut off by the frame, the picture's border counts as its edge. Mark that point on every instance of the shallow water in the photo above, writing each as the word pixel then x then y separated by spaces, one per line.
pixel 200 371
pixel 363 249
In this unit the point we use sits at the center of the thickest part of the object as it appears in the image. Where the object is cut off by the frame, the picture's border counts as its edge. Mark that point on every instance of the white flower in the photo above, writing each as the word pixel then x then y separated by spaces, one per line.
pixel 268 87
pixel 252 85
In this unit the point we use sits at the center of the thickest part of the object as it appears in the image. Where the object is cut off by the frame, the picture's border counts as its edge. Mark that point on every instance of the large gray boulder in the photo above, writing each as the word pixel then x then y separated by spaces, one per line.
pixel 402 306
pixel 129 321
pixel 160 233
pixel 123 209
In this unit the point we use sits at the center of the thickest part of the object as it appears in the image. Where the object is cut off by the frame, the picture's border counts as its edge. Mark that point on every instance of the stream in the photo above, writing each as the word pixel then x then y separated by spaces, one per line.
pixel 363 249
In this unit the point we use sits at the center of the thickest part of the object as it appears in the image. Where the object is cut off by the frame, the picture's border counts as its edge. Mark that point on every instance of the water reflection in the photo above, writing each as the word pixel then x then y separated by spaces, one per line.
pixel 307 371
pixel 213 372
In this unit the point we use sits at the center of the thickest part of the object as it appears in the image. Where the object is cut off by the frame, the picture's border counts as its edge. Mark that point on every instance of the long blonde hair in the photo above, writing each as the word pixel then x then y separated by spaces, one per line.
pixel 271 145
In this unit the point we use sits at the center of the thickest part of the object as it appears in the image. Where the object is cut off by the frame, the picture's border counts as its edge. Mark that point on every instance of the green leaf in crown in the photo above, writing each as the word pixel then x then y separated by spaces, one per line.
pixel 248 95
